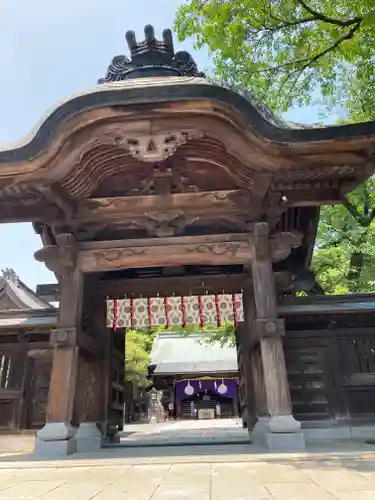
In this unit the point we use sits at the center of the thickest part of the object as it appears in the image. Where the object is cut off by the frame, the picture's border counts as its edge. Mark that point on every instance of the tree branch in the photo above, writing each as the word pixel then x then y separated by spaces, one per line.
pixel 332 47
pixel 309 61
pixel 330 20
pixel 360 218
pixel 289 24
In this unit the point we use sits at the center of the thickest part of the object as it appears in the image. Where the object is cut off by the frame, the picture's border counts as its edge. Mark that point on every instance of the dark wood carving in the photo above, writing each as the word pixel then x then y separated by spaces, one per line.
pixel 199 250
pixel 114 255
pixel 230 249
pixel 281 245
pixel 157 148
pixel 60 258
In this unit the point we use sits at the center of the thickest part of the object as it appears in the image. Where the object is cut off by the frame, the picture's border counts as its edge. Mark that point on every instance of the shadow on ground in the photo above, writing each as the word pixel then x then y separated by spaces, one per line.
pixel 353 455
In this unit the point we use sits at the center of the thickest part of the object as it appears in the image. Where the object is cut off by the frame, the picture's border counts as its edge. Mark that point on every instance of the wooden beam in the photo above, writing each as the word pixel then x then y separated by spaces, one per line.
pixel 40 353
pixel 8 394
pixel 12 213
pixel 18 347
pixel 200 203
pixel 196 285
pixel 165 252
pixel 156 242
pixel 59 197
pixel 166 286
pixel 325 304
pixel 49 292
pixel 312 196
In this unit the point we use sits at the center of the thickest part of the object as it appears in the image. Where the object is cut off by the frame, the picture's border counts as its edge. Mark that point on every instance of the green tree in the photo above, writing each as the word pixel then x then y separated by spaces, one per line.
pixel 138 346
pixel 344 259
pixel 283 50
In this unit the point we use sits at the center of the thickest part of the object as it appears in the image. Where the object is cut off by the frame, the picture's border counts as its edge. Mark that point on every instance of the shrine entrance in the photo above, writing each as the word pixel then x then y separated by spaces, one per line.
pixel 158 183
pixel 94 356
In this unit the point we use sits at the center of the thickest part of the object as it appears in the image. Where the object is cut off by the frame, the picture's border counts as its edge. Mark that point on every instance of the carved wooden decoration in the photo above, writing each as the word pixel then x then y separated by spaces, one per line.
pixel 168 252
pixel 178 251
pixel 61 258
pixel 156 147
pixel 281 244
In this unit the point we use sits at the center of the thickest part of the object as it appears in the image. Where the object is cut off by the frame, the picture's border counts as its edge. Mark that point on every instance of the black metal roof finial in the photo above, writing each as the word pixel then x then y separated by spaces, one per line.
pixel 151 57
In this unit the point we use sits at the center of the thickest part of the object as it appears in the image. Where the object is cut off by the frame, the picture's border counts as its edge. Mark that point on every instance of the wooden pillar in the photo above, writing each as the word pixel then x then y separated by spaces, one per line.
pixel 258 381
pixel 66 352
pixel 255 365
pixel 245 381
pixel 61 259
pixel 103 335
pixel 269 330
pixel 88 399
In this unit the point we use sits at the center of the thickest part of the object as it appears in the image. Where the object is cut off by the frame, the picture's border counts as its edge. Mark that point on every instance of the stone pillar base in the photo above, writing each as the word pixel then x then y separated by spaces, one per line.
pixel 54 449
pixel 88 437
pixel 113 439
pixel 55 439
pixel 279 433
pixel 260 426
pixel 259 430
pixel 283 424
pixel 56 431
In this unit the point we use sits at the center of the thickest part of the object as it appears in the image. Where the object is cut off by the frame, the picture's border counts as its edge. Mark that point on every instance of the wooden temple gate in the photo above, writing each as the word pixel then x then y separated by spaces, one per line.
pixel 159 170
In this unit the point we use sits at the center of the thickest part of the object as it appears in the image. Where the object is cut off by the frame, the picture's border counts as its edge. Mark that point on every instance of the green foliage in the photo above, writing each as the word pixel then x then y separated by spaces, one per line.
pixel 138 345
pixel 344 259
pixel 211 334
pixel 284 50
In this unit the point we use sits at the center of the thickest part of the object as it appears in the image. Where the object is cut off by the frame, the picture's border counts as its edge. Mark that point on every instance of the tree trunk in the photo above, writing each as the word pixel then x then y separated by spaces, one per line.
pixel 355 270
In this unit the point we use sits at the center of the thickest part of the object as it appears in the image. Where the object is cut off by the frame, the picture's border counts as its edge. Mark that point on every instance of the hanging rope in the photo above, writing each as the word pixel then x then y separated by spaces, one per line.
pixel 183 309
pixel 235 313
pixel 201 312
pixel 132 322
pixel 167 322
pixel 149 312
pixel 115 314
pixel 218 312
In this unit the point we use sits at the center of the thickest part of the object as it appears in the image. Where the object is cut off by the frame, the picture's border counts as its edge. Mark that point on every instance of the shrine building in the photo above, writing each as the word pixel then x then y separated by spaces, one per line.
pixel 159 190
pixel 207 377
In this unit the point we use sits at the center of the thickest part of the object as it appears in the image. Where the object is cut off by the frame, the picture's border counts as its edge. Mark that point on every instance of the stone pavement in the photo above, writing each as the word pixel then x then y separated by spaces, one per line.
pixel 193 473
pixel 192 432
pixel 340 470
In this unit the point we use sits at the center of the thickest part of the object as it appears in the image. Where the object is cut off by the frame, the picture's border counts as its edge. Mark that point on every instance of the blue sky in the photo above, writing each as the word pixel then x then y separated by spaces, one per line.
pixel 49 50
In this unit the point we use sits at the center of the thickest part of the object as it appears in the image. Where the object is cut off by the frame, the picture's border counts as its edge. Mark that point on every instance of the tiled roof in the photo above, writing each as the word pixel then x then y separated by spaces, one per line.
pixel 28 318
pixel 175 353
pixel 150 83
pixel 16 295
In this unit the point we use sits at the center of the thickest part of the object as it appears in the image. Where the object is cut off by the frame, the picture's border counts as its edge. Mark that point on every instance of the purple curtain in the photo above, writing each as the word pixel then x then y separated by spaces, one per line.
pixel 200 386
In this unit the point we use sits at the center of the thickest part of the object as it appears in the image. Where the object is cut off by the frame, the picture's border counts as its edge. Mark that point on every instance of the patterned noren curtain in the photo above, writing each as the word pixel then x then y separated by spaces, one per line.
pixel 176 311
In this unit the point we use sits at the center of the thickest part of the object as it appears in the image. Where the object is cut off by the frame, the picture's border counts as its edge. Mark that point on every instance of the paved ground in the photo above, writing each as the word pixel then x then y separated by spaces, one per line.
pixel 343 471
pixel 195 432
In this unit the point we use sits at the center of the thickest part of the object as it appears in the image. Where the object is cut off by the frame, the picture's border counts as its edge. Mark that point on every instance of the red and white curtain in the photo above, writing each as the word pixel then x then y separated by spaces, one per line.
pixel 151 312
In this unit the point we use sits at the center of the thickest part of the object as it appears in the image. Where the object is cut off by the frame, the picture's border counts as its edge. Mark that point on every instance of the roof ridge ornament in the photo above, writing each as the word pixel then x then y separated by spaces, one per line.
pixel 10 274
pixel 151 57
